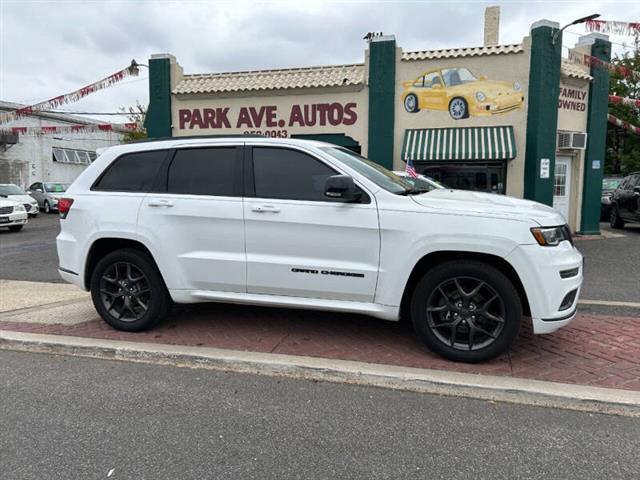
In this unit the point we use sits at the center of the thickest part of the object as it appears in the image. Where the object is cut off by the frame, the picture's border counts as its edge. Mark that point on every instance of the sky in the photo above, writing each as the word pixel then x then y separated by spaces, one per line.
pixel 48 48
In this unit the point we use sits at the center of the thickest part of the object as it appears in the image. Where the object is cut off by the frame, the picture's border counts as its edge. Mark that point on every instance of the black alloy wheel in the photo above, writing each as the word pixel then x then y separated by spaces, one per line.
pixel 614 218
pixel 128 290
pixel 466 310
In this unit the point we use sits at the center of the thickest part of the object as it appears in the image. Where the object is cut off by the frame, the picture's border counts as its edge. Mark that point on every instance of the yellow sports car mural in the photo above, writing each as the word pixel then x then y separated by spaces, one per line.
pixel 461 93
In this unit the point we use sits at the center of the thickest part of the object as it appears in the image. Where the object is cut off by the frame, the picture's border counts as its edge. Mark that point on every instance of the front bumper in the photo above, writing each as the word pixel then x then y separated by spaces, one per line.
pixel 501 104
pixel 13 219
pixel 546 288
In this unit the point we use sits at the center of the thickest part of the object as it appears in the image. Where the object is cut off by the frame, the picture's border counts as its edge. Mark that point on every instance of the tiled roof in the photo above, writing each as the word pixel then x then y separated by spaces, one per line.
pixel 309 77
pixel 569 69
pixel 462 52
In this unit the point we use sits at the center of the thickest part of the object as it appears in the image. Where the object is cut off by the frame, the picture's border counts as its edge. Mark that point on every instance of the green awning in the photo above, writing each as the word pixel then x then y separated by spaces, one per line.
pixel 465 143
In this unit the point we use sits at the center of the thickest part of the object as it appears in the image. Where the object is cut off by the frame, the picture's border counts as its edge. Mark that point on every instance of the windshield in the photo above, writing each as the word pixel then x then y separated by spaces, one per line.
pixel 11 189
pixel 379 175
pixel 611 183
pixel 56 187
pixel 457 76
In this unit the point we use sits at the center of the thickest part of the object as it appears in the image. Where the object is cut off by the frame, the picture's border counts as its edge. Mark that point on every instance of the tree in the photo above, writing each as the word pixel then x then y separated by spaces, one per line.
pixel 135 114
pixel 623 147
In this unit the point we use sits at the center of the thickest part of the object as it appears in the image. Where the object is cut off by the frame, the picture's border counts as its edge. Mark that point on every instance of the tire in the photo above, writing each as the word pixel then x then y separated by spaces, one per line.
pixel 15 228
pixel 114 307
pixel 614 218
pixel 458 108
pixel 411 104
pixel 47 207
pixel 436 323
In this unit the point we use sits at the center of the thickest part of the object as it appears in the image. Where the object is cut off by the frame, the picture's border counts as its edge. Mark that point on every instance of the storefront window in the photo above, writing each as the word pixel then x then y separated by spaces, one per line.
pixel 482 177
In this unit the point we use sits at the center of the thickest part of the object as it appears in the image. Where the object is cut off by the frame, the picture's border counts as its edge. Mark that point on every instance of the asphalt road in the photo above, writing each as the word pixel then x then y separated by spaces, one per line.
pixel 612 266
pixel 78 418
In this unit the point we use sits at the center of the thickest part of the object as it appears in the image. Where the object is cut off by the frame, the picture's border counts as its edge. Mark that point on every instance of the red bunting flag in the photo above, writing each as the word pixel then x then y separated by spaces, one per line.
pixel 616 28
pixel 103 127
pixel 624 100
pixel 622 124
pixel 72 96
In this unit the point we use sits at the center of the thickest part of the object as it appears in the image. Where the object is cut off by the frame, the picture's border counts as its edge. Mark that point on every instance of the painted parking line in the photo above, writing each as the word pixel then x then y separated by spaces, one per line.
pixel 609 303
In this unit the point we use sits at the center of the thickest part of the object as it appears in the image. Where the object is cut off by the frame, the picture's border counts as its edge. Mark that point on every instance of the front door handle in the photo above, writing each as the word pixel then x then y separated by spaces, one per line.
pixel 160 203
pixel 265 209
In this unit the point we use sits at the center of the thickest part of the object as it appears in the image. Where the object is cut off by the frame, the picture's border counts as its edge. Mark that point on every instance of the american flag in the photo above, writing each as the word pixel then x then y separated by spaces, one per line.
pixel 410 169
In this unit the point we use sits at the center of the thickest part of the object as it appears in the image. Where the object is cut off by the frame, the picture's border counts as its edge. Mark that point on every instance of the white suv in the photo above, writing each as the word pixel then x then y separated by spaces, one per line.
pixel 304 224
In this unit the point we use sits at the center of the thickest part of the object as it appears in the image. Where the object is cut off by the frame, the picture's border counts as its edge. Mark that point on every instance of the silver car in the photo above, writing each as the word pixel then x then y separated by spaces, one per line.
pixel 47 194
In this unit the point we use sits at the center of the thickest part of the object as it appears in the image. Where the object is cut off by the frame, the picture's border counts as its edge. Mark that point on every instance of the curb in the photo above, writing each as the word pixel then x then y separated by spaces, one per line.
pixel 484 387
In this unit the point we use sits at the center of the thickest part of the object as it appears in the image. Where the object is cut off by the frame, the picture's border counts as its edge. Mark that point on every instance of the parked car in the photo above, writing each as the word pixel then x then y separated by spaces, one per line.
pixel 305 224
pixel 423 182
pixel 458 91
pixel 47 194
pixel 15 193
pixel 13 215
pixel 609 184
pixel 625 202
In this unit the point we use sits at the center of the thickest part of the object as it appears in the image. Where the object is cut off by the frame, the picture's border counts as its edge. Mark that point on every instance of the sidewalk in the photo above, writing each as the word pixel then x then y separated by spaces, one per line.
pixel 594 350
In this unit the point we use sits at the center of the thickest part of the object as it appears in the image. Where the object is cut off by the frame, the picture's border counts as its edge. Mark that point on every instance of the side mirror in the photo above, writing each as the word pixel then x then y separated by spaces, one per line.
pixel 39 190
pixel 341 188
pixel 636 190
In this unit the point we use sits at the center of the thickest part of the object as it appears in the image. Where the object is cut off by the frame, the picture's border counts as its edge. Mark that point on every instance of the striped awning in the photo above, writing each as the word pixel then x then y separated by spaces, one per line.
pixel 465 143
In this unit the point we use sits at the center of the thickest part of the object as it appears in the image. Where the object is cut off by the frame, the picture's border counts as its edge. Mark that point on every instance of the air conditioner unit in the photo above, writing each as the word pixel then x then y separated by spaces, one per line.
pixel 572 141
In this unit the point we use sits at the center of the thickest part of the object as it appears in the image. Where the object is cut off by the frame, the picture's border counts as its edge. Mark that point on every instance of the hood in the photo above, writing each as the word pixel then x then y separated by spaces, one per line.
pixel 490 204
pixel 5 202
pixel 22 198
pixel 488 87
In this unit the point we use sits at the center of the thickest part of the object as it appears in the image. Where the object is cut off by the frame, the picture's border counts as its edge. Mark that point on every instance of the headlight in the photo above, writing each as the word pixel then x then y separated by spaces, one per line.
pixel 516 86
pixel 19 208
pixel 480 96
pixel 551 236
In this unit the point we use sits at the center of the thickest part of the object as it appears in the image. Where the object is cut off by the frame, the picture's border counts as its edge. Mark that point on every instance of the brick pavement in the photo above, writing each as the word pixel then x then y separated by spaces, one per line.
pixel 594 350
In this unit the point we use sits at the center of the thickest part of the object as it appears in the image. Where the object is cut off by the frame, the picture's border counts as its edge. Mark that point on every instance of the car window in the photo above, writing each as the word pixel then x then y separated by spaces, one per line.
pixel 635 181
pixel 10 189
pixel 132 172
pixel 55 187
pixel 35 186
pixel 457 76
pixel 432 79
pixel 289 174
pixel 205 171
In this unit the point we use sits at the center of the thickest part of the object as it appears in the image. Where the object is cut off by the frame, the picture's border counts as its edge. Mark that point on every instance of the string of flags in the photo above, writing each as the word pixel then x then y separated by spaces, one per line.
pixel 624 100
pixel 586 60
pixel 622 124
pixel 52 103
pixel 613 27
pixel 80 128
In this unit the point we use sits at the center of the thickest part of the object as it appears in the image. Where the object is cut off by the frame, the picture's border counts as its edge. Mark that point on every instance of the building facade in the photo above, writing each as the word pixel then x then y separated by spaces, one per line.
pixel 41 156
pixel 512 119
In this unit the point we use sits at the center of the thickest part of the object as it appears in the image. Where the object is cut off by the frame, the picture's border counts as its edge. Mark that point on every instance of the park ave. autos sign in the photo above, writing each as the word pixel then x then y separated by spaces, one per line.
pixel 268 116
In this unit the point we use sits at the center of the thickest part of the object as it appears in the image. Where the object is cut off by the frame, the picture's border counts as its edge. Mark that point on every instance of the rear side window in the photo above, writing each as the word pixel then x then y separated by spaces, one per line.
pixel 289 174
pixel 205 171
pixel 133 172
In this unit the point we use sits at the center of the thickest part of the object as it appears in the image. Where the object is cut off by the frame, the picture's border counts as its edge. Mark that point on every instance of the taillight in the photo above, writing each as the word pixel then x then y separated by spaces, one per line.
pixel 64 205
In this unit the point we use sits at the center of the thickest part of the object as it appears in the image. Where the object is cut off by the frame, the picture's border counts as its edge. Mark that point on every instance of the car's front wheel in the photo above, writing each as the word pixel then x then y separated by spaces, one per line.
pixel 15 228
pixel 458 108
pixel 47 207
pixel 466 311
pixel 614 218
pixel 411 103
pixel 128 291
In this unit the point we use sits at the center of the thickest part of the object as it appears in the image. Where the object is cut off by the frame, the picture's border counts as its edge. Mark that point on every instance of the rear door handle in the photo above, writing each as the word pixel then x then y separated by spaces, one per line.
pixel 160 203
pixel 265 209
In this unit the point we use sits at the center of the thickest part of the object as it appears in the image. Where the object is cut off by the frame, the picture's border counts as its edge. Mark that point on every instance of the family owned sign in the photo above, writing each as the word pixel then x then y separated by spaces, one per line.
pixel 268 116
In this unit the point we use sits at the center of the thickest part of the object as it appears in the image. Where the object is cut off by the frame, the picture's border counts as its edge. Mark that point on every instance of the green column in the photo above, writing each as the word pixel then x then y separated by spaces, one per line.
pixel 382 87
pixel 596 136
pixel 158 118
pixel 542 114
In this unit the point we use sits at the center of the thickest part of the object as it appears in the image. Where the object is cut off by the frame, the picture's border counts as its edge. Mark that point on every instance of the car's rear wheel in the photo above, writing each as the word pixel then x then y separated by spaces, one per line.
pixel 458 108
pixel 614 218
pixel 128 291
pixel 411 103
pixel 47 207
pixel 466 311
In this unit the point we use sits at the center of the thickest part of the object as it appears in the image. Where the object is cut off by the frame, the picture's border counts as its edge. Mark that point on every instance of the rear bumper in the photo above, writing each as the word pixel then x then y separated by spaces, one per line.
pixel 547 290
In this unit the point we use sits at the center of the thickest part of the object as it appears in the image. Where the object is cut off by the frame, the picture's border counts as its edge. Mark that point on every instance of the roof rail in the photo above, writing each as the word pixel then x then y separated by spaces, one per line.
pixel 192 137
